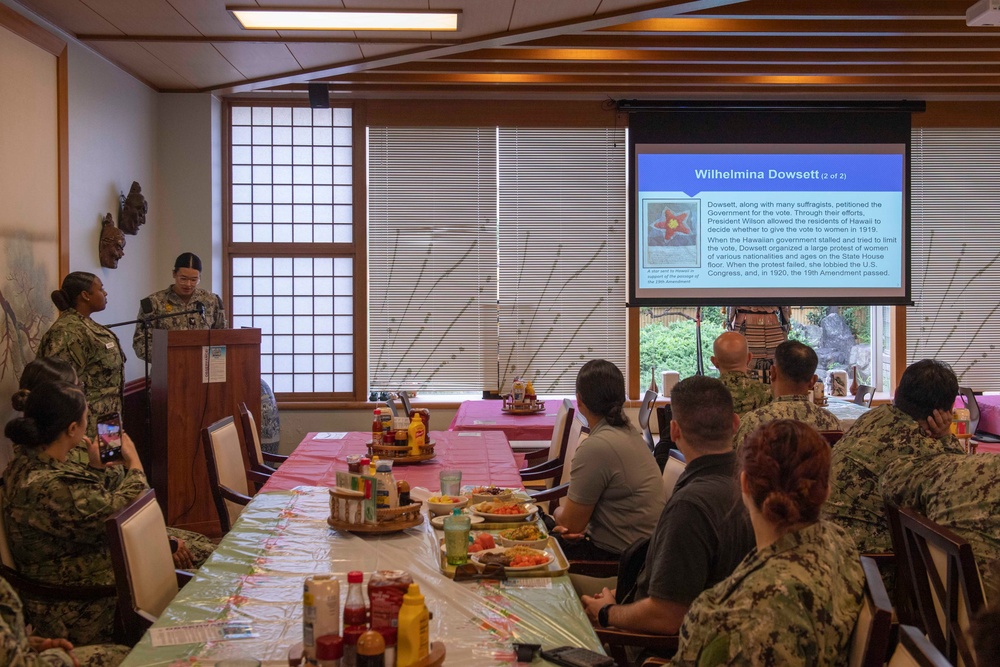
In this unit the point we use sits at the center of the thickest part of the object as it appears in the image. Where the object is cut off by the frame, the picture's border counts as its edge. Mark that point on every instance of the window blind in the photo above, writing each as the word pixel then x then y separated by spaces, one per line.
pixel 955 251
pixel 562 208
pixel 432 258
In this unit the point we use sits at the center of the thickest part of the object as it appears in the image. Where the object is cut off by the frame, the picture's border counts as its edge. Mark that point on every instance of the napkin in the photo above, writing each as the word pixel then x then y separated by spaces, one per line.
pixel 420 493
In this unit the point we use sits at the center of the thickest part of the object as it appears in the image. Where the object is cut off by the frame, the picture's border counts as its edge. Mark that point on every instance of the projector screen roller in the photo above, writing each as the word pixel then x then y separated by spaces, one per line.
pixel 775 222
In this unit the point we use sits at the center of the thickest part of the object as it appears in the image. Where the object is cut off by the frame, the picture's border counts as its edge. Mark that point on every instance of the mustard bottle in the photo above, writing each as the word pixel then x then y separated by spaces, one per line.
pixel 416 435
pixel 413 642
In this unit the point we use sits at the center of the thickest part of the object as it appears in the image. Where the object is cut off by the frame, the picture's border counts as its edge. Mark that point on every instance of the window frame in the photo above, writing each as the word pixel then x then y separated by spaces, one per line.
pixel 357 249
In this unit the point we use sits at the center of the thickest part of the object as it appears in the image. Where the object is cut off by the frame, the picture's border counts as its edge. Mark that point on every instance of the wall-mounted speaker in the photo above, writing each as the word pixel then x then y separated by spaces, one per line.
pixel 319 96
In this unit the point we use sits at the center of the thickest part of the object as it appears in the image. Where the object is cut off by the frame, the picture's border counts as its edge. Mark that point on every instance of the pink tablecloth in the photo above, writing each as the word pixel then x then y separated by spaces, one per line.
pixel 484 459
pixel 989 413
pixel 486 415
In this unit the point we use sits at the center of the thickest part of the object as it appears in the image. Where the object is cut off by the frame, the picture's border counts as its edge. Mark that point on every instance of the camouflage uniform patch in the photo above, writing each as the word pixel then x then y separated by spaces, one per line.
pixel 794 602
pixel 167 301
pixel 16 651
pixel 55 524
pixel 958 491
pixel 748 394
pixel 786 407
pixel 875 440
pixel 96 354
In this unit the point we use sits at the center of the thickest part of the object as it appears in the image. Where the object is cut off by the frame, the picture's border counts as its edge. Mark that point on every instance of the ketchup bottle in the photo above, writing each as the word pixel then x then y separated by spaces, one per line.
pixel 354 606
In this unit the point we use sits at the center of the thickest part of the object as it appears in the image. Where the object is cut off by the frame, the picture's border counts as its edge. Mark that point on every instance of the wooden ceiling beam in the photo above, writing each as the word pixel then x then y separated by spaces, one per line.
pixel 506 56
pixel 828 43
pixel 698 69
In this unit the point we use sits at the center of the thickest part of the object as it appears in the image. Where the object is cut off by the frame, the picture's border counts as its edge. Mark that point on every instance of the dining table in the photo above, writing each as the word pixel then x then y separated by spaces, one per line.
pixel 254 580
pixel 846 412
pixel 488 415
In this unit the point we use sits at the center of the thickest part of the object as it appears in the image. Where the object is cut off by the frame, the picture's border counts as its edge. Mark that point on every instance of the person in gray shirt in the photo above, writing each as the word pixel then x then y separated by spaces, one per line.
pixel 615 491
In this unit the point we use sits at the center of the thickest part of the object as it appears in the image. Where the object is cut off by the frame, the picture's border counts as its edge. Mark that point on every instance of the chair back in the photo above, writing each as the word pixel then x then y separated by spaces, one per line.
pixel 832 437
pixel 945 582
pixel 404 398
pixel 870 641
pixel 393 408
pixel 864 395
pixel 915 650
pixel 251 438
pixel 560 431
pixel 6 555
pixel 226 469
pixel 645 411
pixel 969 398
pixel 574 437
pixel 144 567
pixel 672 471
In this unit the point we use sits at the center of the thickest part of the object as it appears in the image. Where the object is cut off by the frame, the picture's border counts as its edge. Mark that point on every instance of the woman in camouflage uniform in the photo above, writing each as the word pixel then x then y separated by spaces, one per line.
pixel 18 649
pixel 56 510
pixel 189 549
pixel 794 600
pixel 92 350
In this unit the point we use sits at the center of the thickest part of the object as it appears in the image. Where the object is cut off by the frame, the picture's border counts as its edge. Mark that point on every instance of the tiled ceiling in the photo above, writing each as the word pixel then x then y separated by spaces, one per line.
pixel 562 49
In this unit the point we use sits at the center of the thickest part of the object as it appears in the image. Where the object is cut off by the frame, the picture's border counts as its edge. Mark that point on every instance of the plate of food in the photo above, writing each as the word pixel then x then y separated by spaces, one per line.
pixel 513 559
pixel 439 505
pixel 499 510
pixel 484 494
pixel 528 535
pixel 438 521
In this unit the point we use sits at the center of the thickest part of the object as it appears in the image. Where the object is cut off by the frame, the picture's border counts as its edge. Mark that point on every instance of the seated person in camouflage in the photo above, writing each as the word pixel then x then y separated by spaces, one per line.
pixel 703 532
pixel 184 295
pixel 792 379
pixel 794 600
pixel 189 549
pixel 18 649
pixel 917 424
pixel 93 350
pixel 56 511
pixel 959 491
pixel 731 358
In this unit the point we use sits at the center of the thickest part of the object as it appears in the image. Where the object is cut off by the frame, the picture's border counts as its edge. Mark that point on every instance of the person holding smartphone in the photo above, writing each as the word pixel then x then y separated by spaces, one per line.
pixel 190 549
pixel 56 510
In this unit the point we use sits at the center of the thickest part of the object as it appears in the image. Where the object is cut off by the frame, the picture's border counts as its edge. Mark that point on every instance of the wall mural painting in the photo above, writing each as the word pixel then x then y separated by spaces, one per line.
pixel 28 270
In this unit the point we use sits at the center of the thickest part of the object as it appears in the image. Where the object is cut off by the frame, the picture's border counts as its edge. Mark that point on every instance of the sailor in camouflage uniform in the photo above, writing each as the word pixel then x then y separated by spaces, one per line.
pixel 92 350
pixel 731 356
pixel 794 600
pixel 959 491
pixel 918 424
pixel 56 509
pixel 18 650
pixel 792 378
pixel 184 295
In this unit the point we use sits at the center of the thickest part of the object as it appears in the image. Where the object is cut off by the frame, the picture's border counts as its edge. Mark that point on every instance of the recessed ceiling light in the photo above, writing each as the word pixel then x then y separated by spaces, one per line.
pixel 256 18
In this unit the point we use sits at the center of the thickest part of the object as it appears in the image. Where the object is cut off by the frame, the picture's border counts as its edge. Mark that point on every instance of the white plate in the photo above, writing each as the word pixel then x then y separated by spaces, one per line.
pixel 510 518
pixel 499 550
pixel 438 521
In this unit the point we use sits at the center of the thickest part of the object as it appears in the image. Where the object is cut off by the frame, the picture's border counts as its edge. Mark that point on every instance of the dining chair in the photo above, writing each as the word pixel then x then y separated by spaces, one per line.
pixel 404 398
pixel 645 411
pixel 969 398
pixel 25 585
pixel 258 458
pixel 393 408
pixel 546 457
pixel 672 471
pixel 144 567
pixel 864 395
pixel 870 639
pixel 915 650
pixel 228 473
pixel 832 437
pixel 617 640
pixel 945 582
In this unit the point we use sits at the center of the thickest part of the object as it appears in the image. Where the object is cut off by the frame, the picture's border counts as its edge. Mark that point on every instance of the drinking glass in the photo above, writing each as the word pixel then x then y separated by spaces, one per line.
pixel 451 482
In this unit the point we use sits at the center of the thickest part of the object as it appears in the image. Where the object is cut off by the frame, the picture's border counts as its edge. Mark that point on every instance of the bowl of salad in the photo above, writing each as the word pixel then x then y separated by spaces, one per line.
pixel 528 535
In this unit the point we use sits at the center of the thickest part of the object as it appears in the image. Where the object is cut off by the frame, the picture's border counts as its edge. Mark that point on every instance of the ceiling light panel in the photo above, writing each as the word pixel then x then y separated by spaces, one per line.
pixel 256 18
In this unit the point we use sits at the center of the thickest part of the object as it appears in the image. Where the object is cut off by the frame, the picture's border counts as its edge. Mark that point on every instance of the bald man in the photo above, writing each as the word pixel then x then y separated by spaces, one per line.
pixel 732 355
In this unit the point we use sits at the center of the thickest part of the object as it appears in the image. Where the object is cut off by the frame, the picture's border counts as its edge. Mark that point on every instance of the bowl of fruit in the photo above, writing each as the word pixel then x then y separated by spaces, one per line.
pixel 528 535
pixel 498 510
pixel 445 504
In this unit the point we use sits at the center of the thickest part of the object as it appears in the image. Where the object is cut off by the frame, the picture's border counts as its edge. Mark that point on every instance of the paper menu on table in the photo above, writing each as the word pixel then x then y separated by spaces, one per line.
pixel 199 633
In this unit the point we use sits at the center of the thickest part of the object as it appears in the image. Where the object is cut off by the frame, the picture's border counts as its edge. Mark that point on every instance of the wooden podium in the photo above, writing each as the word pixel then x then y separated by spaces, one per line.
pixel 197 378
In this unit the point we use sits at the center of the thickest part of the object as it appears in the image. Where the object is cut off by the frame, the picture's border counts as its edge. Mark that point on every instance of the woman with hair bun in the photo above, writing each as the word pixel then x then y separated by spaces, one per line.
pixel 795 598
pixel 92 350
pixel 615 492
pixel 56 508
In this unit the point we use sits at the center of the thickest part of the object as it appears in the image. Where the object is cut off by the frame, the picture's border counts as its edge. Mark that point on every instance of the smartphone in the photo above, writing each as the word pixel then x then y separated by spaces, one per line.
pixel 572 656
pixel 109 437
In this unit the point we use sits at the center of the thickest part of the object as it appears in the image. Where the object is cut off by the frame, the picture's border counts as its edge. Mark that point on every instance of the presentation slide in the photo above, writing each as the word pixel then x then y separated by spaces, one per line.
pixel 719 223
